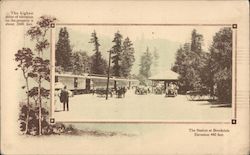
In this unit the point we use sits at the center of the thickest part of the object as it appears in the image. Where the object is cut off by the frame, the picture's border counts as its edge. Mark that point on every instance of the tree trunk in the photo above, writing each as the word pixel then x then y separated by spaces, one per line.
pixel 40 108
pixel 28 106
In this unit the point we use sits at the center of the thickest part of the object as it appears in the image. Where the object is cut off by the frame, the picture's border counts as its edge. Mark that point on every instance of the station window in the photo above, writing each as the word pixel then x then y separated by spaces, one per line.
pixel 56 78
pixel 75 82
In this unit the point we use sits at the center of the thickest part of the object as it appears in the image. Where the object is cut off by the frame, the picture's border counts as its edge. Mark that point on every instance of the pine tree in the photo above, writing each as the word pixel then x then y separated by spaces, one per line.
pixel 80 62
pixel 193 65
pixel 63 50
pixel 117 54
pixel 127 58
pixel 145 64
pixel 155 61
pixel 98 64
pixel 196 41
pixel 181 66
pixel 221 63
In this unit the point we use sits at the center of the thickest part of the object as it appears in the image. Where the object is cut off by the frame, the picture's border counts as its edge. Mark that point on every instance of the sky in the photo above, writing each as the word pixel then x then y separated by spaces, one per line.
pixel 166 39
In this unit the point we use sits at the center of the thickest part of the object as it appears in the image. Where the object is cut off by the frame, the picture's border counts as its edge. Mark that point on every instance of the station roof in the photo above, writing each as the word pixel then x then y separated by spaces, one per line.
pixel 165 76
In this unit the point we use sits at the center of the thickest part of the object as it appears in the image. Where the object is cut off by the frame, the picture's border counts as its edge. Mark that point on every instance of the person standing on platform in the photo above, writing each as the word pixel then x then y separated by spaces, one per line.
pixel 64 98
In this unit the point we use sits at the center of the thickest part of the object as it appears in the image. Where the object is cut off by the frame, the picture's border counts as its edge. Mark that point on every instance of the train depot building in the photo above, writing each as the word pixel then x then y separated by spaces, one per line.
pixel 163 80
pixel 165 77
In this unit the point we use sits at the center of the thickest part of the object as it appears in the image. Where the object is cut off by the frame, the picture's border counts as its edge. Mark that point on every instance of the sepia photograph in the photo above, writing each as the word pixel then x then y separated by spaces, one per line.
pixel 143 72
pixel 124 77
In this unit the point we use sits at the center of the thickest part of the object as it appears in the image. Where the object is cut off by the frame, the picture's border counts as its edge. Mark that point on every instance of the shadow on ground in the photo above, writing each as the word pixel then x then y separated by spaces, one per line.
pixel 215 104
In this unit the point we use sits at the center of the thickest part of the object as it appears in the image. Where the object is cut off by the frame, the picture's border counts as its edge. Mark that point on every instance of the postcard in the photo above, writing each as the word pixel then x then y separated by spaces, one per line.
pixel 124 77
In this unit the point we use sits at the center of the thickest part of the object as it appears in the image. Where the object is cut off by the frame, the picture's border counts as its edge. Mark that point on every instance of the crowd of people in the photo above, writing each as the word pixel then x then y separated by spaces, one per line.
pixel 170 89
pixel 119 91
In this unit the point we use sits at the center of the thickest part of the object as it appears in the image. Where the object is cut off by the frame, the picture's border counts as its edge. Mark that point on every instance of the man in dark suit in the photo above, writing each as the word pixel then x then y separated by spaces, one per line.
pixel 64 97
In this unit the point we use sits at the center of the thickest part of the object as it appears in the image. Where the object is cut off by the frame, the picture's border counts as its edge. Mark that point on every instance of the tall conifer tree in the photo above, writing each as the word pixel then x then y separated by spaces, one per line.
pixel 63 50
pixel 117 54
pixel 128 58
pixel 99 65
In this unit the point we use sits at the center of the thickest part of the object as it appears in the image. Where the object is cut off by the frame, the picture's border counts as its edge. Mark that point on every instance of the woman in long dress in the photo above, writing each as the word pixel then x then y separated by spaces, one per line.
pixel 58 104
